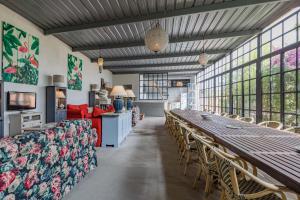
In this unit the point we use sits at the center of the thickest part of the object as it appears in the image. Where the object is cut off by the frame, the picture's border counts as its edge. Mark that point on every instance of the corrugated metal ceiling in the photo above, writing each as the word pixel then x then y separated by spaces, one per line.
pixel 60 13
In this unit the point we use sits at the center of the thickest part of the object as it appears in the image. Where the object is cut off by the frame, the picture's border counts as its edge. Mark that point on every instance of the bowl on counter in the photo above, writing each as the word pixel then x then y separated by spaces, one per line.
pixel 206 116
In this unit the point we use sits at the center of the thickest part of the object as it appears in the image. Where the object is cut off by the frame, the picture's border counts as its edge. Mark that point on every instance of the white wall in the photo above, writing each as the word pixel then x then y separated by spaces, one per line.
pixel 52 60
pixel 127 79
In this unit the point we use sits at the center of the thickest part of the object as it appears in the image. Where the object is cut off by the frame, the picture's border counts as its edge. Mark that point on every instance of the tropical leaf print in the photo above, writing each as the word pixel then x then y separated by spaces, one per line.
pixel 74 73
pixel 19 56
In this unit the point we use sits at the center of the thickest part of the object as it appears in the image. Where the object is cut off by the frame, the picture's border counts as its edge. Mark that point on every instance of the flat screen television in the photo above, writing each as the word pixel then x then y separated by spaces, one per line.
pixel 21 100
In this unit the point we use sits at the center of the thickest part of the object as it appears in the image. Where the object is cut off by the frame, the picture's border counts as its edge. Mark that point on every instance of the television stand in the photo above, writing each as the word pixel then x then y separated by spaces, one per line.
pixel 19 122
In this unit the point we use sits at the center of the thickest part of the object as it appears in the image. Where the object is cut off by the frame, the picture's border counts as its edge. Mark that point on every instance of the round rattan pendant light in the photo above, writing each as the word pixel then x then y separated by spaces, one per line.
pixel 156 39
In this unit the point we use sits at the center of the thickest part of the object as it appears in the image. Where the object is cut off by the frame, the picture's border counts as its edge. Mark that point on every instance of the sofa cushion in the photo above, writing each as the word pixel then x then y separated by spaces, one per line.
pixel 98 111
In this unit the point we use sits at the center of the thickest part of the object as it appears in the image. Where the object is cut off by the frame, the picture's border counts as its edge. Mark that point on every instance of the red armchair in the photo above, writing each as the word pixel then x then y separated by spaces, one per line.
pixel 81 112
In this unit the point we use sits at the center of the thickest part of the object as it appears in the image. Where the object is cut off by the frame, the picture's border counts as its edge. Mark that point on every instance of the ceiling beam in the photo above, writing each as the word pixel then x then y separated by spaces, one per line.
pixel 158 71
pixel 167 55
pixel 154 65
pixel 172 40
pixel 160 15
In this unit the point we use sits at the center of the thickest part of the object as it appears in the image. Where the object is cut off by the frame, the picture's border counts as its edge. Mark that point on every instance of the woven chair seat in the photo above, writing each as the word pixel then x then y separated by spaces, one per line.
pixel 250 187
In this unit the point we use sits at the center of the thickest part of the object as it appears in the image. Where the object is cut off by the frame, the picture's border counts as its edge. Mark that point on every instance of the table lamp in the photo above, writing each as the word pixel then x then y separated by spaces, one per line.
pixel 130 96
pixel 118 92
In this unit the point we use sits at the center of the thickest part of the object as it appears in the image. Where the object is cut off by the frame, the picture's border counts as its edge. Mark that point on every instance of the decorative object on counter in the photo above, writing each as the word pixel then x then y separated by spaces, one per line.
pixel 20 53
pixel 135 115
pixel 102 96
pixel 142 115
pixel 58 80
pixel 74 73
pixel 100 64
pixel 130 96
pixel 118 92
pixel 94 87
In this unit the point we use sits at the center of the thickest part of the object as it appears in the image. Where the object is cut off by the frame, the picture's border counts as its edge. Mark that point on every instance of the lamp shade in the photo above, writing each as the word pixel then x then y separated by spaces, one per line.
pixel 94 87
pixel 130 93
pixel 100 62
pixel 203 59
pixel 60 94
pixel 156 39
pixel 118 90
pixel 58 80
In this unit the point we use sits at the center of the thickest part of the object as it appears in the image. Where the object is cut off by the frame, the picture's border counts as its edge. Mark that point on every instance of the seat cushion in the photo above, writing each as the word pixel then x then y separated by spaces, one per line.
pixel 98 111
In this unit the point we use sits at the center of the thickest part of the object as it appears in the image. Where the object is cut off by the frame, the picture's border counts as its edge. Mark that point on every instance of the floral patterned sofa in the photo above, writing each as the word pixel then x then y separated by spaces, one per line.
pixel 46 165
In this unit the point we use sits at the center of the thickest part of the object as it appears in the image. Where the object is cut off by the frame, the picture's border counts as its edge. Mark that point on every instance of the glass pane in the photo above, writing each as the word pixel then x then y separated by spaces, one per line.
pixel 290 81
pixel 246 87
pixel 265 67
pixel 265 49
pixel 290 38
pixel 277 30
pixel 266 84
pixel 275 83
pixel 277 44
pixel 252 102
pixel 290 103
pixel 253 86
pixel 266 116
pixel 266 37
pixel 275 64
pixel 290 60
pixel 275 102
pixel 290 23
pixel 246 102
pixel 290 120
pixel 275 117
pixel 266 102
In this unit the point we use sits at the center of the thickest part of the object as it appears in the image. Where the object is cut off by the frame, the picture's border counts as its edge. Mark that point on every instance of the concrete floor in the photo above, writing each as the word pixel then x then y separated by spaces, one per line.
pixel 144 167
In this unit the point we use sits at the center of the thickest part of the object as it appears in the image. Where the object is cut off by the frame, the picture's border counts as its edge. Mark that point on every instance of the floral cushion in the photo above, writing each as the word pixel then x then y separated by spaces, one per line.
pixel 47 165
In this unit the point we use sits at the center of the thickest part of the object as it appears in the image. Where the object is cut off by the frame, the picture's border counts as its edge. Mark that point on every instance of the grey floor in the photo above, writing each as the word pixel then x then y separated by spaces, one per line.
pixel 144 167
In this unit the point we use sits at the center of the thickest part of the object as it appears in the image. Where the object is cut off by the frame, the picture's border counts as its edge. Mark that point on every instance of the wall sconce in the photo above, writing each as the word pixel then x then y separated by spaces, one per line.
pixel 100 64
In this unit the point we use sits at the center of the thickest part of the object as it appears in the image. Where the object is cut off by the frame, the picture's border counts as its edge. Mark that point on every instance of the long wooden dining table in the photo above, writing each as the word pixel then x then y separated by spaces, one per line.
pixel 273 151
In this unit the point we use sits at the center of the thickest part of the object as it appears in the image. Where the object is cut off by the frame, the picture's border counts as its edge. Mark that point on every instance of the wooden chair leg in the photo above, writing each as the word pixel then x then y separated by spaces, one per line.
pixel 222 195
pixel 182 156
pixel 207 185
pixel 186 163
pixel 197 177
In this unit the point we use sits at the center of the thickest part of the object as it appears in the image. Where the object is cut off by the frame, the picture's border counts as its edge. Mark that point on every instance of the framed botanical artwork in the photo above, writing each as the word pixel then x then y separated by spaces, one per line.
pixel 20 55
pixel 74 73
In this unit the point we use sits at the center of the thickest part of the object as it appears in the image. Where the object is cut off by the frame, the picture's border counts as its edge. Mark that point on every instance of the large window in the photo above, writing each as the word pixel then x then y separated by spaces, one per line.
pixel 154 86
pixel 260 78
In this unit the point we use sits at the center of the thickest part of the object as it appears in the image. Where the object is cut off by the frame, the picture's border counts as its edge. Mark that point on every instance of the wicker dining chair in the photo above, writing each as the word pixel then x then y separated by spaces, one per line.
pixel 294 129
pixel 247 119
pixel 189 150
pixel 234 116
pixel 206 165
pixel 272 124
pixel 239 184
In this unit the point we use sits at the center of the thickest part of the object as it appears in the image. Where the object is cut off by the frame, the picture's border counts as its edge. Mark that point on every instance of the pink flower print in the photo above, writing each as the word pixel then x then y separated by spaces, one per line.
pixel 55 184
pixel 6 178
pixel 50 134
pixel 31 178
pixel 63 151
pixel 76 68
pixel 35 149
pixel 43 188
pixel 21 161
